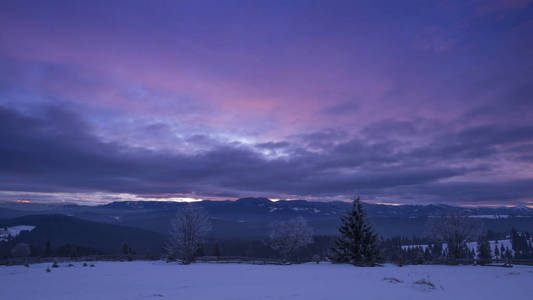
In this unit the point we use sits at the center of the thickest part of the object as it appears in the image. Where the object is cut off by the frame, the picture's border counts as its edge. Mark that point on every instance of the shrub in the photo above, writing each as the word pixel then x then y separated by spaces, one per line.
pixel 316 258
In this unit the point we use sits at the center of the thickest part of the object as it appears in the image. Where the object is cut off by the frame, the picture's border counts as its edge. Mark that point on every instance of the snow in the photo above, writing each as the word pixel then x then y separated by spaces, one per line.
pixel 424 246
pixel 489 216
pixel 13 231
pixel 471 245
pixel 159 280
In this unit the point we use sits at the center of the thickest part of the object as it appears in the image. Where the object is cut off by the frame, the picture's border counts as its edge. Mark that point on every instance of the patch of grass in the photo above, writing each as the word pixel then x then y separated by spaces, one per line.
pixel 426 282
pixel 392 280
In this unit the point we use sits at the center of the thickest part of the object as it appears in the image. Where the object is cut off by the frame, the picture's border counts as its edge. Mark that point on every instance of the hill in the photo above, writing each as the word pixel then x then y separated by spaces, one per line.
pixel 61 230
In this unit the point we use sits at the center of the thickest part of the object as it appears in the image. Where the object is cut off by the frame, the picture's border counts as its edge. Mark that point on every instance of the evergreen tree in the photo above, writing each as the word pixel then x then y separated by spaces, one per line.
pixel 358 242
pixel 436 251
pixel 200 251
pixel 514 240
pixel 47 249
pixel 496 251
pixel 508 253
pixel 73 252
pixel 427 254
pixel 471 253
pixel 483 250
pixel 217 249
pixel 125 249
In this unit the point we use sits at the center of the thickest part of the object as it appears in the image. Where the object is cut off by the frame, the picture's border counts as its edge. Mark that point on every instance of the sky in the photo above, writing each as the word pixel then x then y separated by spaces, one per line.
pixel 403 102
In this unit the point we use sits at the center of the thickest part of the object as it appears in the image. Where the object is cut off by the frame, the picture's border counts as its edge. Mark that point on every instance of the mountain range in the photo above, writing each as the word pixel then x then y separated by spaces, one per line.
pixel 251 217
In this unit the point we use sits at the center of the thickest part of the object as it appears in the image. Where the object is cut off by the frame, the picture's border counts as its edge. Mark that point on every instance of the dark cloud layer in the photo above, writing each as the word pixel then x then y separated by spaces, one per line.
pixel 55 150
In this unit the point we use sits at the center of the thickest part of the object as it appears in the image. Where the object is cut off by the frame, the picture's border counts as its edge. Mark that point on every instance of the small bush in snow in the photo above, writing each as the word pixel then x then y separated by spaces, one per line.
pixel 399 261
pixel 316 258
pixel 55 265
pixel 48 270
pixel 85 264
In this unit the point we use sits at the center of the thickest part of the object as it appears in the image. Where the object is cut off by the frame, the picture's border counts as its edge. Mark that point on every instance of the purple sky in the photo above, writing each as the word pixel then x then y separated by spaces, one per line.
pixel 402 101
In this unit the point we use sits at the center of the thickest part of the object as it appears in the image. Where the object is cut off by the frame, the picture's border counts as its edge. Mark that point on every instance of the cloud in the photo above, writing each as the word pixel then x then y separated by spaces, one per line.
pixel 126 97
pixel 343 108
pixel 54 150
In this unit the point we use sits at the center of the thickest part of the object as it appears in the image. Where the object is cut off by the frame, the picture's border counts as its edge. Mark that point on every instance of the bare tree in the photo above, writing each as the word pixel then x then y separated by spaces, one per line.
pixel 21 250
pixel 287 236
pixel 187 233
pixel 456 231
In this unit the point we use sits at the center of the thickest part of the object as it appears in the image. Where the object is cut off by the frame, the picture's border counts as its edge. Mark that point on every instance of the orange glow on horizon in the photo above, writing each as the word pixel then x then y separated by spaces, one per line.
pixel 389 203
pixel 23 201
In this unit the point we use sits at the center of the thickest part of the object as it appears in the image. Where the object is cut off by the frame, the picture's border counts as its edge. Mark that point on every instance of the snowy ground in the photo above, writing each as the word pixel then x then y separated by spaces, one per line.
pixel 13 231
pixel 159 280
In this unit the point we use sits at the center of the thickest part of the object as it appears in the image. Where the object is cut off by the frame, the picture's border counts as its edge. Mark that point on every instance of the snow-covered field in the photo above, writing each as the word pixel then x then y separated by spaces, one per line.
pixel 159 280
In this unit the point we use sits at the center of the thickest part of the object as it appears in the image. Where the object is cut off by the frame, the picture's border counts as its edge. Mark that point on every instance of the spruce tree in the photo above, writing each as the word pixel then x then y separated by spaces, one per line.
pixel 217 249
pixel 357 243
pixel 47 249
pixel 497 251
pixel 483 251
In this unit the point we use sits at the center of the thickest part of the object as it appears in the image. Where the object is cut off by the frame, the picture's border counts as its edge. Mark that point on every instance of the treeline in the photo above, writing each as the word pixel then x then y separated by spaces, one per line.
pixel 11 248
pixel 398 250
pixel 417 250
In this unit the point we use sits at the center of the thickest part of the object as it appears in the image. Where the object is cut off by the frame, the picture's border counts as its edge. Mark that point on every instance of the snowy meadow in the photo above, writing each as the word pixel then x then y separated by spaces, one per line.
pixel 160 280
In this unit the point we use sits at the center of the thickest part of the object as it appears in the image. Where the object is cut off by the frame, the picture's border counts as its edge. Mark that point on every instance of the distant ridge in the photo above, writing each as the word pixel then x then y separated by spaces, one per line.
pixel 252 216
